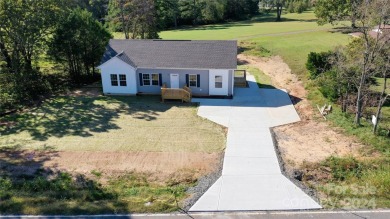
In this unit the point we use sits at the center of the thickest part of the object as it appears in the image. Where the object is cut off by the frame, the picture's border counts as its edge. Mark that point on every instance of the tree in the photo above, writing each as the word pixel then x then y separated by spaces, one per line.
pixel 277 5
pixel 371 13
pixel 25 27
pixel 241 9
pixel 135 17
pixel 98 8
pixel 167 13
pixel 333 11
pixel 80 42
pixel 384 94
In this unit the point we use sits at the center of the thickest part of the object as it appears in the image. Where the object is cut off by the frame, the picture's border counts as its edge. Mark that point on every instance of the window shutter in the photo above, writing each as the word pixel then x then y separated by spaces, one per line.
pixel 141 82
pixel 187 80
pixel 198 80
pixel 160 79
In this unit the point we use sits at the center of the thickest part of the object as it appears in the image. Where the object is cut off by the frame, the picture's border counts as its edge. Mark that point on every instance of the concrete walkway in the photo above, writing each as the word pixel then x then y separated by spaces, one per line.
pixel 251 177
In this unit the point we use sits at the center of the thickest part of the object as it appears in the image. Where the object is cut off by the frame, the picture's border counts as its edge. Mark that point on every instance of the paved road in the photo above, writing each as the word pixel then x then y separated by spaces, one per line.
pixel 251 176
pixel 385 214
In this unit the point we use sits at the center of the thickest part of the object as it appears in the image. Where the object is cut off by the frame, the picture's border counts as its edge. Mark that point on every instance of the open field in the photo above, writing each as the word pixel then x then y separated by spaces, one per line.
pixel 258 26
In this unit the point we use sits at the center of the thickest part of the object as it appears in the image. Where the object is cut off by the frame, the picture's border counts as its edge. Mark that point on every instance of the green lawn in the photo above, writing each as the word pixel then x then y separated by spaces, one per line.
pixel 263 80
pixel 379 85
pixel 262 25
pixel 112 124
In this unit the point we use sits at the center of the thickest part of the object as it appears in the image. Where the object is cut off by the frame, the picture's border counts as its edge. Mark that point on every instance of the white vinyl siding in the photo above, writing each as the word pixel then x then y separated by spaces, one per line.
pixel 219 82
pixel 124 81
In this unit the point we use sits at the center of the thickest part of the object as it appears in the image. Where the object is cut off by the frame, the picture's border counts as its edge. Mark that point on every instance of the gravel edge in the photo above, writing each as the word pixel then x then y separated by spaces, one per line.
pixel 289 174
pixel 203 184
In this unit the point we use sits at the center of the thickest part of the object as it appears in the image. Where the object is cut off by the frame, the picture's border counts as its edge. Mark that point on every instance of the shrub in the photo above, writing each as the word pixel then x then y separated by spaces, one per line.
pixel 318 63
pixel 328 85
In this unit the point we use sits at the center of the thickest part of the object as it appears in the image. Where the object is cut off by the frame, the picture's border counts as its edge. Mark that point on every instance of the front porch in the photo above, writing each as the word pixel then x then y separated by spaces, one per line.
pixel 184 94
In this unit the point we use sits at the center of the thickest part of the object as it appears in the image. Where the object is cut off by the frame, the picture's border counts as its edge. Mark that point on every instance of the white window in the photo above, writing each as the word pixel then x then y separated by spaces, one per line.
pixel 114 80
pixel 155 79
pixel 122 80
pixel 193 80
pixel 218 81
pixel 151 79
pixel 146 79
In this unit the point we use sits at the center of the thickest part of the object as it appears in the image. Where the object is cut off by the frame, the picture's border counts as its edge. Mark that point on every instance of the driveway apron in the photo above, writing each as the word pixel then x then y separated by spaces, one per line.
pixel 251 176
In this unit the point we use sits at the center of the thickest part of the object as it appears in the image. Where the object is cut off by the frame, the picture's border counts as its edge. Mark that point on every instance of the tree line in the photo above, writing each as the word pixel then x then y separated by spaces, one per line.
pixel 47 45
pixel 60 31
pixel 346 74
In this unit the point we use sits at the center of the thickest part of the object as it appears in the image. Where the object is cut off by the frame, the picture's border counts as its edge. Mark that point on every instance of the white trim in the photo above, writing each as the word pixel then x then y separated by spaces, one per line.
pixel 189 80
pixel 138 67
pixel 113 58
pixel 150 79
pixel 232 81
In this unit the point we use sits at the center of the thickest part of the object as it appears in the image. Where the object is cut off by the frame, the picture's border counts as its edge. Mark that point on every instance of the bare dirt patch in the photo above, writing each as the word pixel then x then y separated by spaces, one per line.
pixel 310 140
pixel 160 165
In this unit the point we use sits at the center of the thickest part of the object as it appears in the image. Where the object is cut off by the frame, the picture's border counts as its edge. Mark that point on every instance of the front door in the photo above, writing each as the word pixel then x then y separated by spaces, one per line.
pixel 174 80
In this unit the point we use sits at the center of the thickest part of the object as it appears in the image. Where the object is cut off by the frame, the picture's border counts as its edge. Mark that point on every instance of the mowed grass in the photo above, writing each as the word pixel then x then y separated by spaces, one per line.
pixel 263 80
pixel 261 25
pixel 112 124
pixel 378 87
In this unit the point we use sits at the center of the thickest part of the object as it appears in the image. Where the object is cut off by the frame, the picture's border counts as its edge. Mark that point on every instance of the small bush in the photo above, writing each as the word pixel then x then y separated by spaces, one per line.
pixel 343 168
pixel 328 85
pixel 318 63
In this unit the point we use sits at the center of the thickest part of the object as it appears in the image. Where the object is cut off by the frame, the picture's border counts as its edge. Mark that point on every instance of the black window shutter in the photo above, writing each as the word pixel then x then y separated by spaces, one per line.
pixel 141 82
pixel 198 80
pixel 187 80
pixel 160 79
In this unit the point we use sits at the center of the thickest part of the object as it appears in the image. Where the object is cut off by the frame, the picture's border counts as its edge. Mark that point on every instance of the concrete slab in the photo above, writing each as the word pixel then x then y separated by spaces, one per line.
pixel 267 192
pixel 251 177
pixel 239 166
pixel 210 201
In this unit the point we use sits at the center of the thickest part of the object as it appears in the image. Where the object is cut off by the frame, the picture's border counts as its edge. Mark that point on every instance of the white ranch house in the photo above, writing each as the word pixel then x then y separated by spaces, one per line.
pixel 131 67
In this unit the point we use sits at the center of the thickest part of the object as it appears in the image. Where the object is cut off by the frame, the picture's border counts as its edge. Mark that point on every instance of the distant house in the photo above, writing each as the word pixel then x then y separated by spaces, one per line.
pixel 145 66
pixel 382 32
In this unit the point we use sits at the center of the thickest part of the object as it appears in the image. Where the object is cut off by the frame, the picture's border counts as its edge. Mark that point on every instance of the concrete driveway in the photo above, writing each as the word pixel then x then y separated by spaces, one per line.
pixel 251 177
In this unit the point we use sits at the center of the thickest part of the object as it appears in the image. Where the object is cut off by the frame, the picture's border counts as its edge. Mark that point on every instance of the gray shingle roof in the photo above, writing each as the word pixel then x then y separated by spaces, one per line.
pixel 174 53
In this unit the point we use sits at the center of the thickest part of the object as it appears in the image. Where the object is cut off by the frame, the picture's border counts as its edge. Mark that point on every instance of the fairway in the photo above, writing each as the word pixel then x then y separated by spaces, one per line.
pixel 258 26
pixel 293 38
